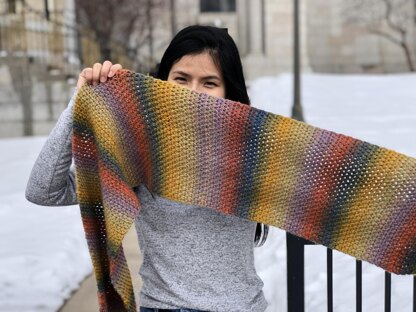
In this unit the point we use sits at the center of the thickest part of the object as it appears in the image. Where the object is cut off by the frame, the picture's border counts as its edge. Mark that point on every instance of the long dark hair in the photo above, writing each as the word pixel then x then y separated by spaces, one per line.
pixel 218 43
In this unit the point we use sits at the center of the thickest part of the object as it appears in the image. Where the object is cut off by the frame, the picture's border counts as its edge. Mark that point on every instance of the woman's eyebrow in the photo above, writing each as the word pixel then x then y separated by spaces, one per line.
pixel 181 73
pixel 212 77
pixel 188 75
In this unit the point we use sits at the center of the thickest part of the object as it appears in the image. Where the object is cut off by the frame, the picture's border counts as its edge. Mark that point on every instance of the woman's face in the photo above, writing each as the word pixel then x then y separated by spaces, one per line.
pixel 198 72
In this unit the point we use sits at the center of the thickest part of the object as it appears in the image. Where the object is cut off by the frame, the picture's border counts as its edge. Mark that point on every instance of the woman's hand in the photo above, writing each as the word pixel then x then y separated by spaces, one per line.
pixel 98 73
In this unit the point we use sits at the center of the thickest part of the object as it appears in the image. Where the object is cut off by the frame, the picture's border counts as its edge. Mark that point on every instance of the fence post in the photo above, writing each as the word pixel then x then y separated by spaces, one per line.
pixel 295 273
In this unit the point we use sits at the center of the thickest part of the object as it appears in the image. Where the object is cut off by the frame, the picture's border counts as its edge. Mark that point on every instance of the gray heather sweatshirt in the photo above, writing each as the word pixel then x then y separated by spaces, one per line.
pixel 193 257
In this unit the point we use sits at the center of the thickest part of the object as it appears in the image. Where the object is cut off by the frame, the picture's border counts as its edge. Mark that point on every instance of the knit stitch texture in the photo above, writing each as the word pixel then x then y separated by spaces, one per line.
pixel 190 147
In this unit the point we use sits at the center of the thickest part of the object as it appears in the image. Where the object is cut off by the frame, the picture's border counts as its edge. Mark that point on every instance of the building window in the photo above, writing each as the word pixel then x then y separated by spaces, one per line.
pixel 11 6
pixel 217 5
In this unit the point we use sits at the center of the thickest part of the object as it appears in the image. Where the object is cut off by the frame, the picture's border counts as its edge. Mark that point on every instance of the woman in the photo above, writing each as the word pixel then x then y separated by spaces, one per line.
pixel 193 259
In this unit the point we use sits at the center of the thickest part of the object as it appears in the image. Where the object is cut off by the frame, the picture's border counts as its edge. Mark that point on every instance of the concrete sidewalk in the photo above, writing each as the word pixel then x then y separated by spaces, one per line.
pixel 85 298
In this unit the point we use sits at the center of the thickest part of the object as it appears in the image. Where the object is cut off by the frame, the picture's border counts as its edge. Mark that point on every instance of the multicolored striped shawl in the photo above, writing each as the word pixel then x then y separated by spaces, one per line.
pixel 329 188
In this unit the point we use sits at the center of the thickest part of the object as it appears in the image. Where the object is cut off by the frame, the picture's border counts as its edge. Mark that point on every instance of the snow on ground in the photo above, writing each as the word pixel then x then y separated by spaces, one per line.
pixel 43 254
pixel 377 109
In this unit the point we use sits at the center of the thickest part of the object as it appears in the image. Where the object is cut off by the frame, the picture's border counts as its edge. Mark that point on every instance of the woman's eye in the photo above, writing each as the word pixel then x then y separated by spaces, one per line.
pixel 210 84
pixel 180 79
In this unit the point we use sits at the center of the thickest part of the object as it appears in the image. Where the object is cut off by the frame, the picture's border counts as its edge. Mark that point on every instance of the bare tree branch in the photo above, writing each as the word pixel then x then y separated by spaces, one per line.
pixel 386 35
pixel 389 18
pixel 385 19
pixel 123 22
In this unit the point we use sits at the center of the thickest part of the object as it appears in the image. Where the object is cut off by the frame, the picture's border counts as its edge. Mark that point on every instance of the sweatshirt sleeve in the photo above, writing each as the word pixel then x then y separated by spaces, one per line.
pixel 52 180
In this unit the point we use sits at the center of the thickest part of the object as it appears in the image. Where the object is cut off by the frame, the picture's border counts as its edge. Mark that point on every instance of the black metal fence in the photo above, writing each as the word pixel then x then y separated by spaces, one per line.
pixel 296 279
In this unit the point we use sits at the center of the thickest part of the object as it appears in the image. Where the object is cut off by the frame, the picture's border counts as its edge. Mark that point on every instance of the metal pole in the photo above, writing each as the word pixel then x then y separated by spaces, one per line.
pixel 150 34
pixel 263 27
pixel 295 273
pixel 173 17
pixel 297 112
pixel 47 15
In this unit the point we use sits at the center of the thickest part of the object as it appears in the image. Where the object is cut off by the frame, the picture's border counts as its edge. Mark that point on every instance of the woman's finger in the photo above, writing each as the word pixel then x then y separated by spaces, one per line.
pixel 88 74
pixel 113 69
pixel 105 70
pixel 96 73
pixel 84 76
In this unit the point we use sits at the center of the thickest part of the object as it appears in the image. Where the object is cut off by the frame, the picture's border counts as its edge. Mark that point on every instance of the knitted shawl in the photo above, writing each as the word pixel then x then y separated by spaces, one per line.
pixel 197 149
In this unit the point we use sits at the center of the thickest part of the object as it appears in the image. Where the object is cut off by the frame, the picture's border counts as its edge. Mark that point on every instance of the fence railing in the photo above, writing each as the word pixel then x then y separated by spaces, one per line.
pixel 30 35
pixel 55 41
pixel 296 279
pixel 40 51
